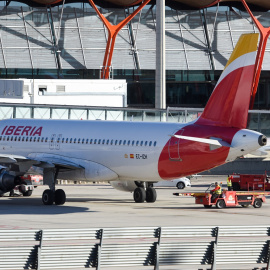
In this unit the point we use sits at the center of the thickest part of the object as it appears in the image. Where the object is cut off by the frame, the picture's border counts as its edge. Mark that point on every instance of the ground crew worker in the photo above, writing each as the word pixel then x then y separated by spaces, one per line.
pixel 216 192
pixel 229 183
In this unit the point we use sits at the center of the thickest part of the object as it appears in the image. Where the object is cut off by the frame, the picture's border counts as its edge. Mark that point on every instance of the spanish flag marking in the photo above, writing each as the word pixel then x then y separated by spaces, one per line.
pixel 131 155
pixel 251 40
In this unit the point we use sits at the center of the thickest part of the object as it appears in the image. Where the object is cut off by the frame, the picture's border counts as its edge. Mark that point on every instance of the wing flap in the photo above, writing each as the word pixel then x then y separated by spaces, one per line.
pixel 50 161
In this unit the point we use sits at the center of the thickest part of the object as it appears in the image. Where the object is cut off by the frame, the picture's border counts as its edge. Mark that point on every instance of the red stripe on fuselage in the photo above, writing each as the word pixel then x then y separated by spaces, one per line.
pixel 194 157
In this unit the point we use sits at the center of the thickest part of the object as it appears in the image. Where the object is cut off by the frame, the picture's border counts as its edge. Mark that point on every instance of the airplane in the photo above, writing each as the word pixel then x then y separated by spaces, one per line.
pixel 131 156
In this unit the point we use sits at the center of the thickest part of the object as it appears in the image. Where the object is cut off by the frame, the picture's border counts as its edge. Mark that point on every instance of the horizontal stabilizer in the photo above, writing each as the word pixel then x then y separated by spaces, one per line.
pixel 259 153
pixel 216 142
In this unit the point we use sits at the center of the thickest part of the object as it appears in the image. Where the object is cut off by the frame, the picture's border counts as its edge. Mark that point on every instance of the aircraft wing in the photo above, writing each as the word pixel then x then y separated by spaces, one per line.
pixel 51 161
pixel 11 158
pixel 40 160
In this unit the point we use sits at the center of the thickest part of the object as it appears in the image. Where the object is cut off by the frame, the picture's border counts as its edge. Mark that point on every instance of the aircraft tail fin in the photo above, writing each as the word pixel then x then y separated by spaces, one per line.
pixel 229 103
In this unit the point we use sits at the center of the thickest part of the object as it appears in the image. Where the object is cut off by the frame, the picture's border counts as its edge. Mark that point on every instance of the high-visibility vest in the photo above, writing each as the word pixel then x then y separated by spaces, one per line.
pixel 218 191
pixel 229 182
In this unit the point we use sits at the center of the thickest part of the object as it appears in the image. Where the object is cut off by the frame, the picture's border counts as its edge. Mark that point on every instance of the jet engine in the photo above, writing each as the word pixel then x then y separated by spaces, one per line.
pixel 8 181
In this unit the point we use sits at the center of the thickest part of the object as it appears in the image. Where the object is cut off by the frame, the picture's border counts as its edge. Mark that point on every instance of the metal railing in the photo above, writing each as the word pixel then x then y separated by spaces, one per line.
pixel 208 246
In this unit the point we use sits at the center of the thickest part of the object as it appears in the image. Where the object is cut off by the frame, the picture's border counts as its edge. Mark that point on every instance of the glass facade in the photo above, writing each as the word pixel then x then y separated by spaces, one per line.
pixel 40 43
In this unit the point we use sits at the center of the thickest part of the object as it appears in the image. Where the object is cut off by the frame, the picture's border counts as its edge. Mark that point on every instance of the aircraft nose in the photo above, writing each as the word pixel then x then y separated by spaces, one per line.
pixel 262 140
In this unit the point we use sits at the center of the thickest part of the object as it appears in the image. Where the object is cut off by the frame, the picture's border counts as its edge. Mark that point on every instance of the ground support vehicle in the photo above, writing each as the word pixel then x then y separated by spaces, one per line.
pixel 180 183
pixel 229 198
pixel 25 189
pixel 250 182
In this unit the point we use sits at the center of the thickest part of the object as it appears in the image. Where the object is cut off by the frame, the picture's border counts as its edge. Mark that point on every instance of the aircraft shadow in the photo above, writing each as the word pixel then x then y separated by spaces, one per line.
pixel 34 206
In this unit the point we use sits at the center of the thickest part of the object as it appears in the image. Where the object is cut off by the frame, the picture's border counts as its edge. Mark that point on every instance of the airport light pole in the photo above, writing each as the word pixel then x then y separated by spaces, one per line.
pixel 160 79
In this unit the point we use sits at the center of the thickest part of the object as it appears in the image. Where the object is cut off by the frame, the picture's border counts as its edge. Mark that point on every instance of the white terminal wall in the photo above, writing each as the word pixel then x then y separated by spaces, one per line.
pixel 108 93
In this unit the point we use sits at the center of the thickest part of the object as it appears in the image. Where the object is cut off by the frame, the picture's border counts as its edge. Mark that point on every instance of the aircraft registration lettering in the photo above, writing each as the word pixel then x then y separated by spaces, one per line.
pixel 22 130
pixel 136 156
pixel 142 156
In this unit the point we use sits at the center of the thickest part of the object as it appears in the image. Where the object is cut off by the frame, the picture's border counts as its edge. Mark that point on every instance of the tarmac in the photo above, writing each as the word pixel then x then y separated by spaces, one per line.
pixel 101 206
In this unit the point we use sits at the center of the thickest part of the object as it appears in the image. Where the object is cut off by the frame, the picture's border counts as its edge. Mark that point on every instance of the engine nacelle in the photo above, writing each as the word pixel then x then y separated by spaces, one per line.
pixel 128 186
pixel 8 181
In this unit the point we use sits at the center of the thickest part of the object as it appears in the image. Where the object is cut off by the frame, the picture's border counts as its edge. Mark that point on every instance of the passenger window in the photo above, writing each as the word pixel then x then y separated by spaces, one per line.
pixel 103 142
pixel 116 141
pixel 38 139
pixel 26 139
pixel 74 140
pixel 15 139
pixel 63 140
pixel 46 140
pixel 7 138
pixel 108 141
pixel 124 143
pixel 66 140
pixel 120 142
pixel 95 141
pixel 91 141
pixel 111 142
pixel 155 143
pixel 35 139
pixel 133 142
pixel 141 143
pixel 31 139
pixel 128 142
pixel 150 143
pixel 86 141
pixel 82 141
pixel 70 141
pixel 137 143
pixel 145 144
pixel 99 141
pixel 42 139
pixel 4 138
pixel 11 138
pixel 79 140
pixel 19 139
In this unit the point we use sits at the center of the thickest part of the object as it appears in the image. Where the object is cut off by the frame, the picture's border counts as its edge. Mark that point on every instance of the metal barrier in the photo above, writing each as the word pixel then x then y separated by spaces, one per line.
pixel 205 246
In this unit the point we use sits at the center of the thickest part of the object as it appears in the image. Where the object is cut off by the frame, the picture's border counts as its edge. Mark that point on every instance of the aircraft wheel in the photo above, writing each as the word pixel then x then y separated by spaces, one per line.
pixel 48 197
pixel 220 204
pixel 257 203
pixel 60 197
pixel 151 195
pixel 139 195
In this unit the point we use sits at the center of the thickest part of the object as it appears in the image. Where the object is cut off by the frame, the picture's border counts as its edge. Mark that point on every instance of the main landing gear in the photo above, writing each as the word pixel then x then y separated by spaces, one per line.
pixel 51 195
pixel 142 194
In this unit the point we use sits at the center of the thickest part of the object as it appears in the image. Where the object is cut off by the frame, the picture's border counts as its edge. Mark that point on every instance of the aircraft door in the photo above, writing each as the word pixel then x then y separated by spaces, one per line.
pixel 174 151
pixel 52 141
pixel 58 142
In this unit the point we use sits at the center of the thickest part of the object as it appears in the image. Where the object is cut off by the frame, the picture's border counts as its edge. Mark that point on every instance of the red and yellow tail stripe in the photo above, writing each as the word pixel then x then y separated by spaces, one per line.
pixel 229 103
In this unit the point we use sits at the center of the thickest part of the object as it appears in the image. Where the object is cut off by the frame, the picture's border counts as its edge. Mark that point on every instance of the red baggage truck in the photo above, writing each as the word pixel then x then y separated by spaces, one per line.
pixel 250 182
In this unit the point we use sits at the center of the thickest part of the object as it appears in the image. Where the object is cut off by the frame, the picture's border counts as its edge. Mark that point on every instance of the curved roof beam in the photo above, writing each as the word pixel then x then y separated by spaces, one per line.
pixel 176 4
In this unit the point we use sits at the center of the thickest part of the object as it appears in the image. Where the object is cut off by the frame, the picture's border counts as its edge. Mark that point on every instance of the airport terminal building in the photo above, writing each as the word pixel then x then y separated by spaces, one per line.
pixel 67 40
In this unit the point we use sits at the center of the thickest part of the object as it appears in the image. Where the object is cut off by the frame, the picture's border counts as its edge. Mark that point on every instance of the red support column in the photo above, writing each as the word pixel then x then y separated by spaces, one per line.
pixel 264 34
pixel 113 30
